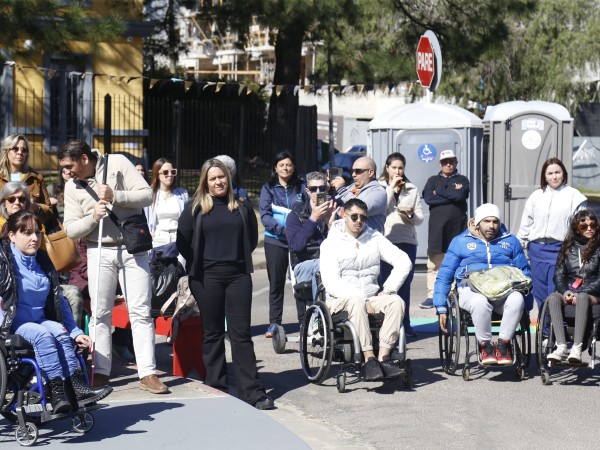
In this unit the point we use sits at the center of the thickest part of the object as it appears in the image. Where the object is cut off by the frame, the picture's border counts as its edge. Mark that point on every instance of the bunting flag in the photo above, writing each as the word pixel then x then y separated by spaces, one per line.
pixel 404 88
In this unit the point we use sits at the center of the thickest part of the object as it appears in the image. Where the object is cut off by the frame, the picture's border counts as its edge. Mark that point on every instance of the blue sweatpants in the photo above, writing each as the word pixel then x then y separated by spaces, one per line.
pixel 542 258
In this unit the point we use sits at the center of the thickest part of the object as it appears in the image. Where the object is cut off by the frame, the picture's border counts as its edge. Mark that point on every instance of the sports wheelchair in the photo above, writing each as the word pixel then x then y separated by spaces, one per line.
pixel 545 339
pixel 327 338
pixel 23 400
pixel 460 331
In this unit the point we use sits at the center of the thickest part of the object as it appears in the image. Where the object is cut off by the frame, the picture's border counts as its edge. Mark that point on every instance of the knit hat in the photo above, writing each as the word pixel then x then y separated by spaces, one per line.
pixel 487 210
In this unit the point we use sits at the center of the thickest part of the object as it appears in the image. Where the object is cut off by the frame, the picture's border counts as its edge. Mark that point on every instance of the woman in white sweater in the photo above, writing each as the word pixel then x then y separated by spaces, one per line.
pixel 167 204
pixel 404 213
pixel 545 223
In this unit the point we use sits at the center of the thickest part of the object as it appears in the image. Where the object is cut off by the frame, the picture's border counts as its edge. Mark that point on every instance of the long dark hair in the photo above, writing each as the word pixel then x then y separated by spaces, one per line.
pixel 558 162
pixel 590 247
pixel 295 181
pixel 396 156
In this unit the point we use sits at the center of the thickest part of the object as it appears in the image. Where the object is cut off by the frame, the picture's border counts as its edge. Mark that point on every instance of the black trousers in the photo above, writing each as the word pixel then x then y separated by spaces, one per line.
pixel 277 264
pixel 226 292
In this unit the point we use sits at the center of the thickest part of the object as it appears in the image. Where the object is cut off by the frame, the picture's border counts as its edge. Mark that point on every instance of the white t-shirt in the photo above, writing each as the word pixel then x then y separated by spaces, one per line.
pixel 167 213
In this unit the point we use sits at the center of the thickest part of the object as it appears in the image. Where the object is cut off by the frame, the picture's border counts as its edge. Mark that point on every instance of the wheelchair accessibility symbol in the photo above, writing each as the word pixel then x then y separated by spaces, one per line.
pixel 427 153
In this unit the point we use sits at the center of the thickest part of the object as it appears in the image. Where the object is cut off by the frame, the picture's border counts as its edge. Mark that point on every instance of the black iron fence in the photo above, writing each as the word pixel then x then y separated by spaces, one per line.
pixel 186 129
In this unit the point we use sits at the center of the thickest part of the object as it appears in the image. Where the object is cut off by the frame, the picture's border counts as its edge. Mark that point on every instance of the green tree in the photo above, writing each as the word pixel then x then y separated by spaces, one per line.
pixel 32 26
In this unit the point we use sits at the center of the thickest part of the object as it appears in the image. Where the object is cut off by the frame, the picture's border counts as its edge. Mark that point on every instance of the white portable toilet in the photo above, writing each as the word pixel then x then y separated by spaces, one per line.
pixel 522 136
pixel 420 131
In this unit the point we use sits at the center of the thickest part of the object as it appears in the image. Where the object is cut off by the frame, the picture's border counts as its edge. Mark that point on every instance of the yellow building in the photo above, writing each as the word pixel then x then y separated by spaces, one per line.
pixel 53 97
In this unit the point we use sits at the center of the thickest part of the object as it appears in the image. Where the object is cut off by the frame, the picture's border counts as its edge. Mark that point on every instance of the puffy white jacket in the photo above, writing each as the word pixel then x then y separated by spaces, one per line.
pixel 350 267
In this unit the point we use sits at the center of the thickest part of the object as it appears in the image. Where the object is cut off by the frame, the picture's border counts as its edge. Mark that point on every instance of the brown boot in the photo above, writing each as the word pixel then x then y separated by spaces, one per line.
pixel 151 383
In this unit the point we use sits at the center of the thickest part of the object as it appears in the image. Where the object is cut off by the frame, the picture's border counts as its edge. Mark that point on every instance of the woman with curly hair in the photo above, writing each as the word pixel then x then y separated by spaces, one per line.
pixel 577 283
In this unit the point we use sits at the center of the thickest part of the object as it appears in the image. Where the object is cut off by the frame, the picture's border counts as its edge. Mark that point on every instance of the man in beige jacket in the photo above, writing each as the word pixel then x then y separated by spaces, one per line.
pixel 125 193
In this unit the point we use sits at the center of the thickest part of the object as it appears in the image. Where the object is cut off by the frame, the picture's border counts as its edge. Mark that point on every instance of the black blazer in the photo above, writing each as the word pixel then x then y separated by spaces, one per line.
pixel 190 242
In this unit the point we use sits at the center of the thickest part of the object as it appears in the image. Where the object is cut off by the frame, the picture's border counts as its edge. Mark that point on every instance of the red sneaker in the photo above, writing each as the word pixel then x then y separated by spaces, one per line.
pixel 488 353
pixel 503 352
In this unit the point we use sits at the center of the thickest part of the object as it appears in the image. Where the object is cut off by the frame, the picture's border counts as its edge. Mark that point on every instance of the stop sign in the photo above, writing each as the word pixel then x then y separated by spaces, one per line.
pixel 425 62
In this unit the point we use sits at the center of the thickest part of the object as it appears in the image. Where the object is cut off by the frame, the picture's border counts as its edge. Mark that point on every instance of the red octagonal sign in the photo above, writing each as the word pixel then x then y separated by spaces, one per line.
pixel 425 62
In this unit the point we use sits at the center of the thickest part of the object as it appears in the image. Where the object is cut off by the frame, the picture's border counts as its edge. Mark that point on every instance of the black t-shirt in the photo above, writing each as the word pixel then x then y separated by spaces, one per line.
pixel 223 233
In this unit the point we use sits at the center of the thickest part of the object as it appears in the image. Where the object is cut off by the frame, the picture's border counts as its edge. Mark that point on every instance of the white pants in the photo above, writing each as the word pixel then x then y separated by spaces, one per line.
pixel 391 305
pixel 133 274
pixel 480 309
pixel 166 237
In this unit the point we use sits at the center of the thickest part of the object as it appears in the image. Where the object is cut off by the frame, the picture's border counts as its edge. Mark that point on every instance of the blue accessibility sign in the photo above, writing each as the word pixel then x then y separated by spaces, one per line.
pixel 427 153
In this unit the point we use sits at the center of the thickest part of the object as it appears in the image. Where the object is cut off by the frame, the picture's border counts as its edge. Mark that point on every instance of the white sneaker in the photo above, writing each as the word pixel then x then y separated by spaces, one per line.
pixel 575 355
pixel 560 354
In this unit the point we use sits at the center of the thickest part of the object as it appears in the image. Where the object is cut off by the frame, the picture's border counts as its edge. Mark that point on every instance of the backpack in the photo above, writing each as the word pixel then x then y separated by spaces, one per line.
pixel 499 282
pixel 185 306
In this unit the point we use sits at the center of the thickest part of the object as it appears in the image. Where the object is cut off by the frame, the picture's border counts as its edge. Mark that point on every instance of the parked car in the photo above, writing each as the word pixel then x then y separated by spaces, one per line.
pixel 345 162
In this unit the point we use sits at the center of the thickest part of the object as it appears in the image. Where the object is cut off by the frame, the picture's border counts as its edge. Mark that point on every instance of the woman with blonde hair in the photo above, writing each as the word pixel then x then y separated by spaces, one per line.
pixel 217 234
pixel 14 166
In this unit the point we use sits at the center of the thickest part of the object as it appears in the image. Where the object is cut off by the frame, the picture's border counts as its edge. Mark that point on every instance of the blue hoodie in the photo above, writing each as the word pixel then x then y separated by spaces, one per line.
pixel 468 252
pixel 275 204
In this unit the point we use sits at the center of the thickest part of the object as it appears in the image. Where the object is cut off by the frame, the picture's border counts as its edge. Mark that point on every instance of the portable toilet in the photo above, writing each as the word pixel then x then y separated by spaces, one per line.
pixel 522 136
pixel 420 131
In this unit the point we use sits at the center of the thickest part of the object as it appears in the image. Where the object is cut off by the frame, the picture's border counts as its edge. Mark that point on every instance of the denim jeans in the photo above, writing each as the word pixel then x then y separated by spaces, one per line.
pixel 54 351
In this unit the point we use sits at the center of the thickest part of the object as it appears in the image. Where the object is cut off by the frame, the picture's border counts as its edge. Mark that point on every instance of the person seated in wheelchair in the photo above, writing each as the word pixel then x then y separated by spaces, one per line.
pixel 306 227
pixel 577 281
pixel 350 260
pixel 486 243
pixel 33 307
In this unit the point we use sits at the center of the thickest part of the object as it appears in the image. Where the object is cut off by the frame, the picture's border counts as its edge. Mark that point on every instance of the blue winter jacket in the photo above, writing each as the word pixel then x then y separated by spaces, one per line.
pixel 275 204
pixel 468 252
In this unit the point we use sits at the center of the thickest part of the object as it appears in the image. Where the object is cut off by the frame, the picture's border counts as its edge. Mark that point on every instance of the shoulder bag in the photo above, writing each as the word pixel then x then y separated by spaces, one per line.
pixel 61 249
pixel 135 231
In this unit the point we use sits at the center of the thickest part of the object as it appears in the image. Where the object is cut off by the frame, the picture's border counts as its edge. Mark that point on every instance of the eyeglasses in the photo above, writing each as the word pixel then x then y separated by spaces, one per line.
pixel 355 217
pixel 21 198
pixel 584 226
pixel 358 171
pixel 167 172
pixel 21 149
pixel 322 188
pixel 447 162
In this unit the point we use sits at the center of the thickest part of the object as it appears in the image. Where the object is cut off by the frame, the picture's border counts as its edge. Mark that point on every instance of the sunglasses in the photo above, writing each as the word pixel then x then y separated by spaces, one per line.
pixel 358 171
pixel 447 162
pixel 585 226
pixel 355 217
pixel 321 188
pixel 17 149
pixel 167 172
pixel 21 198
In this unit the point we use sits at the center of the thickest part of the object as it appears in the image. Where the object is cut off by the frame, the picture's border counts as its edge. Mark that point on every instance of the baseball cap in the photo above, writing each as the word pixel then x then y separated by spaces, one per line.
pixel 447 154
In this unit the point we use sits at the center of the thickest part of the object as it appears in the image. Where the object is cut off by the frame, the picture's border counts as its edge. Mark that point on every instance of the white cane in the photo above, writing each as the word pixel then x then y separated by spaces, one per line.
pixel 95 299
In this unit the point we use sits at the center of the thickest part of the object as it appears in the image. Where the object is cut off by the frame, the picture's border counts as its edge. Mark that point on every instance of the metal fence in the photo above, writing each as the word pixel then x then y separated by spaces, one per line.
pixel 186 129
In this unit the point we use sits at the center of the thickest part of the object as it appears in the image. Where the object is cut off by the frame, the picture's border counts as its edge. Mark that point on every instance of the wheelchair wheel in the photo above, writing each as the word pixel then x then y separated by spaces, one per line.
pixel 279 340
pixel 27 435
pixel 316 342
pixel 3 378
pixel 82 423
pixel 450 342
pixel 543 349
pixel 341 382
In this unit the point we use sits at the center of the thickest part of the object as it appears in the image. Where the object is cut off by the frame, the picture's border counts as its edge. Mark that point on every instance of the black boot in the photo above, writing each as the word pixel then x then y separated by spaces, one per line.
pixel 58 399
pixel 86 394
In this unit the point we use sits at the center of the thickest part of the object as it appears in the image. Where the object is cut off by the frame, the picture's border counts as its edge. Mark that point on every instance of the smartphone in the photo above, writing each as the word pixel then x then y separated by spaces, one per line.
pixel 321 198
pixel 335 172
pixel 577 283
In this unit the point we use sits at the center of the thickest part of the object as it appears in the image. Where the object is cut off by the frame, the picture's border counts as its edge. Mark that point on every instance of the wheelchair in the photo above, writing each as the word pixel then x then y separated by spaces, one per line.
pixel 303 296
pixel 545 339
pixel 460 331
pixel 23 401
pixel 327 338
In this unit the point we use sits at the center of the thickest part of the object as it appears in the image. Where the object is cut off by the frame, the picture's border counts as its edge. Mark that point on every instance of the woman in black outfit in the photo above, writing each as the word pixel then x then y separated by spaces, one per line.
pixel 216 235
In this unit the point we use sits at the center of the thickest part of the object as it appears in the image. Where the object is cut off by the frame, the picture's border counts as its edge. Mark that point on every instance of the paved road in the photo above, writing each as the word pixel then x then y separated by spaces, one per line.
pixel 493 410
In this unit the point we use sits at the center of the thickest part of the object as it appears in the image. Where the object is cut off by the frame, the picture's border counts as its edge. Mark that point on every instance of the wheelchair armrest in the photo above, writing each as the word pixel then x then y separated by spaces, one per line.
pixel 15 346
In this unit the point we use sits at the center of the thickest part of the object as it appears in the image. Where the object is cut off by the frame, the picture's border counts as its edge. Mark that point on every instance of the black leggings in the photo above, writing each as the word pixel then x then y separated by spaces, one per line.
pixel 582 307
pixel 225 292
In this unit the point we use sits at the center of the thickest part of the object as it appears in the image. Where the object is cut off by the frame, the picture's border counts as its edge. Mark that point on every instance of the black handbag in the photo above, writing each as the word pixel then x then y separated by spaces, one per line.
pixel 165 272
pixel 135 231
